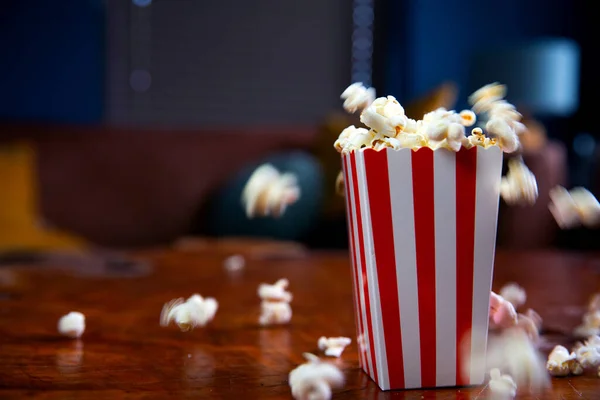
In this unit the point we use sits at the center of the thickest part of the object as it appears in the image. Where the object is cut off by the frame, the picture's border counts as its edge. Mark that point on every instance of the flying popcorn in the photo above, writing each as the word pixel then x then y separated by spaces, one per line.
pixel 530 323
pixel 234 263
pixel 269 193
pixel 357 97
pixel 314 379
pixel 502 313
pixel 333 346
pixel 195 311
pixel 519 186
pixel 502 387
pixel 562 363
pixel 575 207
pixel 275 303
pixel 514 294
pixel 72 324
pixel 512 351
pixel 590 325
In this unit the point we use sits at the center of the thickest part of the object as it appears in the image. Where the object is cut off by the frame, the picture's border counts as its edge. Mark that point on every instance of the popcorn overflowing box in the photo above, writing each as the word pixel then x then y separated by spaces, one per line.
pixel 422 230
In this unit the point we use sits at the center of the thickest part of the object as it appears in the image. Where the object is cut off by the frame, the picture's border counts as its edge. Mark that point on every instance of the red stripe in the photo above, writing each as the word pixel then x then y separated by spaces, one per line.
pixel 423 199
pixel 466 178
pixel 376 167
pixel 357 307
pixel 365 287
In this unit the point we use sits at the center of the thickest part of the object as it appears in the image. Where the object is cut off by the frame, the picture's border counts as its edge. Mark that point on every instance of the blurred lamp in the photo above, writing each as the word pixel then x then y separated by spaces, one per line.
pixel 542 76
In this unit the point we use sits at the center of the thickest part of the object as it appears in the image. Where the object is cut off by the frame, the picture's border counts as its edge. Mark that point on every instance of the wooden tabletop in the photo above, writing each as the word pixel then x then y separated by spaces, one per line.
pixel 125 353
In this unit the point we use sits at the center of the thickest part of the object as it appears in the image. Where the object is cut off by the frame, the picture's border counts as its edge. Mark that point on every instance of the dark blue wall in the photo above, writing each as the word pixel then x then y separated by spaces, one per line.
pixel 52 60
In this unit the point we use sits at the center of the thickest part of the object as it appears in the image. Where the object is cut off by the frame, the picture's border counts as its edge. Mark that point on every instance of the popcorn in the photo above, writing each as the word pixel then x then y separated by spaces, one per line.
pixel 72 324
pixel 195 311
pixel 385 116
pixel 514 294
pixel 502 387
pixel 575 207
pixel 333 346
pixel 588 352
pixel 314 379
pixel 357 97
pixel 389 127
pixel 275 307
pixel 513 352
pixel 562 363
pixel 530 325
pixel 519 186
pixel 502 313
pixel 234 263
pixel 268 192
pixel 339 184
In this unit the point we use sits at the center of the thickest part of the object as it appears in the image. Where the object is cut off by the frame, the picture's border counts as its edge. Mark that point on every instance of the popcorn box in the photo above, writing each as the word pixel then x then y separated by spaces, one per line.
pixel 422 232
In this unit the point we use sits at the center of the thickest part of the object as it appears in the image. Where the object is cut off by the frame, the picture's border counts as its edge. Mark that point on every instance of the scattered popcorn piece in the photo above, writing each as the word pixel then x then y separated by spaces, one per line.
pixel 195 311
pixel 562 363
pixel 234 263
pixel 268 192
pixel 519 186
pixel 588 352
pixel 514 294
pixel 72 324
pixel 314 379
pixel 333 346
pixel 275 307
pixel 575 207
pixel 357 97
pixel 590 325
pixel 502 387
pixel 502 313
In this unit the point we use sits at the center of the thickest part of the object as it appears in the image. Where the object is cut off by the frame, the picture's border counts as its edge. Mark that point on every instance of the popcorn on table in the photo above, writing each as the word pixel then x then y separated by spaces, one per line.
pixel 588 352
pixel 562 363
pixel 590 325
pixel 387 125
pixel 333 346
pixel 314 379
pixel 269 192
pixel 575 207
pixel 275 303
pixel 514 294
pixel 502 387
pixel 195 311
pixel 519 186
pixel 72 324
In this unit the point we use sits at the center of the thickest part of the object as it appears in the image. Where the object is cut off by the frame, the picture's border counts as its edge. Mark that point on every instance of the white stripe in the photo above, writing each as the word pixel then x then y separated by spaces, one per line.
pixel 445 266
pixel 361 292
pixel 350 225
pixel 403 219
pixel 378 334
pixel 489 170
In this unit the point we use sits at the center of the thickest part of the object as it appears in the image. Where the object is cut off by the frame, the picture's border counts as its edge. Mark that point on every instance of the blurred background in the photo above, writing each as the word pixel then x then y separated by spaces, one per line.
pixel 134 123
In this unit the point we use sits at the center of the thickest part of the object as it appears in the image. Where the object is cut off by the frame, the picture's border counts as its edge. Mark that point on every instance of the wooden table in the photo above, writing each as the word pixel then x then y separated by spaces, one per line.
pixel 124 353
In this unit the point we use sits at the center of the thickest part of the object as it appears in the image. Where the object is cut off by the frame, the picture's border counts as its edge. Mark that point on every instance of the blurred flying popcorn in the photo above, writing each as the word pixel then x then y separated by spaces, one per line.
pixel 234 263
pixel 195 311
pixel 514 294
pixel 519 186
pixel 575 207
pixel 268 192
pixel 502 313
pixel 314 379
pixel 590 324
pixel 72 324
pixel 357 97
pixel 275 303
pixel 562 363
pixel 333 346
pixel 502 387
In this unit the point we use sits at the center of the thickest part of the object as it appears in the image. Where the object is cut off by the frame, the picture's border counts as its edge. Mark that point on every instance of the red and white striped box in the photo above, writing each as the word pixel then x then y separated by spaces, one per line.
pixel 422 231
